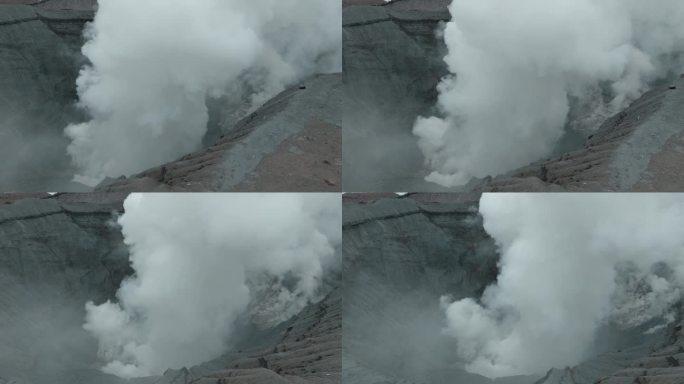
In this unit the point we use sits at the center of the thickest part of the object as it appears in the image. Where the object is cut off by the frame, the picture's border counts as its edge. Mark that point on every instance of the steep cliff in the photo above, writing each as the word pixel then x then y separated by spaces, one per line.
pixel 56 253
pixel 392 65
pixel 400 256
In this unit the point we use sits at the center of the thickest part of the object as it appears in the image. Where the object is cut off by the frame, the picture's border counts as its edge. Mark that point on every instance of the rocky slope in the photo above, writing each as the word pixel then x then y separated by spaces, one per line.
pixel 654 362
pixel 661 366
pixel 401 254
pixel 292 143
pixel 39 62
pixel 349 3
pixel 58 252
pixel 392 65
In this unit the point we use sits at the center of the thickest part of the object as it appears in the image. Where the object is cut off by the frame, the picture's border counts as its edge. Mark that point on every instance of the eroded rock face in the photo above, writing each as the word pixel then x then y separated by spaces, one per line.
pixel 39 62
pixel 400 256
pixel 392 65
pixel 56 253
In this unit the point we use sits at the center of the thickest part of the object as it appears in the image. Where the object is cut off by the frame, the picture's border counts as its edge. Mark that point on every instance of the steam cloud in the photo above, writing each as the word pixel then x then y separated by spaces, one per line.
pixel 154 63
pixel 569 263
pixel 519 68
pixel 200 262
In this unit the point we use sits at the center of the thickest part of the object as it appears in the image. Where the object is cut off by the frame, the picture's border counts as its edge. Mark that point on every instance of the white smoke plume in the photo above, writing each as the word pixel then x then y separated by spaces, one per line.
pixel 570 263
pixel 517 65
pixel 154 62
pixel 200 262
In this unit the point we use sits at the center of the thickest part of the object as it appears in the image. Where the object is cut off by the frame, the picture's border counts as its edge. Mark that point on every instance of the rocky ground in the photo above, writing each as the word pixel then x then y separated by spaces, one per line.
pixel 392 65
pixel 59 251
pixel 402 253
pixel 304 350
pixel 349 3
pixel 293 143
pixel 661 366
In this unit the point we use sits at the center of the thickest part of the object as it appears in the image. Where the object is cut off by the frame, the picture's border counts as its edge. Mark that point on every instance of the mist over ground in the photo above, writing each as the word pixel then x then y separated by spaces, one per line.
pixel 392 65
pixel 525 74
pixel 39 62
pixel 147 84
pixel 400 254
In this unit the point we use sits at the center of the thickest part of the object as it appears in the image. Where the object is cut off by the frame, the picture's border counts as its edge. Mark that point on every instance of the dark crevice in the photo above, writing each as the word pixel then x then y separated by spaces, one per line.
pixel 370 22
pixel 380 218
pixel 31 217
pixel 419 211
pixel 20 21
pixel 70 214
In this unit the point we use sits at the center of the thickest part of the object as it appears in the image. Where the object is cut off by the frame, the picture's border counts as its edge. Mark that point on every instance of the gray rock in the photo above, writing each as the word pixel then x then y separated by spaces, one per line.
pixel 55 254
pixel 39 62
pixel 639 149
pixel 400 256
pixel 392 65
